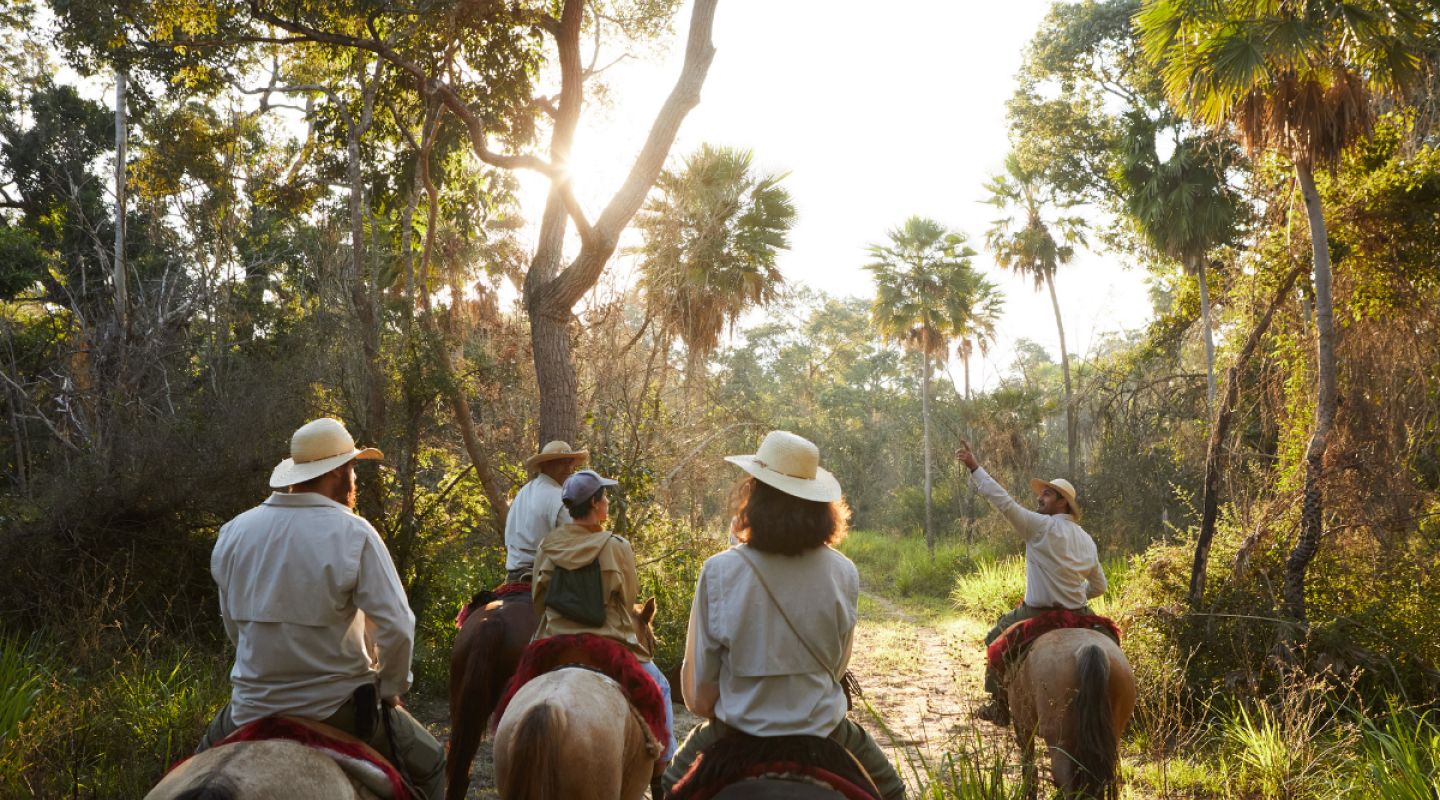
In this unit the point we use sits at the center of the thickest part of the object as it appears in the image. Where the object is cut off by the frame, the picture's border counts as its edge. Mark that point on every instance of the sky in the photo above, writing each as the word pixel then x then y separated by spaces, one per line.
pixel 877 114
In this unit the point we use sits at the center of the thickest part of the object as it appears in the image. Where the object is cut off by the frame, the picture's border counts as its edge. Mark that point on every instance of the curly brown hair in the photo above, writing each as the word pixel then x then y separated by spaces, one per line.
pixel 775 522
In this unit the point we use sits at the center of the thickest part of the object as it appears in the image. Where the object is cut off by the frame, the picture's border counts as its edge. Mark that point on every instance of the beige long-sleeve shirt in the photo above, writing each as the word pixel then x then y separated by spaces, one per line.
pixel 745 666
pixel 314 607
pixel 1062 567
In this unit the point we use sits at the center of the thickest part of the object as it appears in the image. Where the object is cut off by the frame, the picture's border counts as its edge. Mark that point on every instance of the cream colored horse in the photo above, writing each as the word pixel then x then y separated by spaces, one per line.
pixel 572 735
pixel 273 769
pixel 1075 690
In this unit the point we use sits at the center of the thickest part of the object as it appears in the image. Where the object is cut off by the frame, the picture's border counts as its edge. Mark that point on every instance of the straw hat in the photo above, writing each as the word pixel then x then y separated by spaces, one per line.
pixel 555 450
pixel 1063 488
pixel 791 464
pixel 318 447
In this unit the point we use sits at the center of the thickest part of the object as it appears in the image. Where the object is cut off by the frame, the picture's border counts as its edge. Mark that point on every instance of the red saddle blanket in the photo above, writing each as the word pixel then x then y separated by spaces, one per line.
pixel 487 596
pixel 607 657
pixel 356 758
pixel 1016 640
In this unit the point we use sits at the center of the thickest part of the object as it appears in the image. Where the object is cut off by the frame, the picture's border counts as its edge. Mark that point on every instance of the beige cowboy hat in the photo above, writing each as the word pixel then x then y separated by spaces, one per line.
pixel 1064 488
pixel 555 450
pixel 791 464
pixel 318 447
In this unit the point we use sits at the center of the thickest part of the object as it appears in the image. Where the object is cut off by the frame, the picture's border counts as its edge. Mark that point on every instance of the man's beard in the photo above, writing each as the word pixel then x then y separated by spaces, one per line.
pixel 346 490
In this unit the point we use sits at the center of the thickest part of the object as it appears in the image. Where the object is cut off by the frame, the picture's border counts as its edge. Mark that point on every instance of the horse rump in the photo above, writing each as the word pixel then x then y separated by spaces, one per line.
pixel 217 787
pixel 732 758
pixel 533 777
pixel 1095 753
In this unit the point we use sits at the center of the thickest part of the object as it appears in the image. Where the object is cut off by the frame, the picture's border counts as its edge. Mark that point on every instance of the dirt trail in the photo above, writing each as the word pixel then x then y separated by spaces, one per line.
pixel 922 682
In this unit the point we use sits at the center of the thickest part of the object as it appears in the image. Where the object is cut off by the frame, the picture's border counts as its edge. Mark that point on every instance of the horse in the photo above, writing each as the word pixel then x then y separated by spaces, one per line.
pixel 270 769
pixel 485 655
pixel 724 770
pixel 572 733
pixel 1075 690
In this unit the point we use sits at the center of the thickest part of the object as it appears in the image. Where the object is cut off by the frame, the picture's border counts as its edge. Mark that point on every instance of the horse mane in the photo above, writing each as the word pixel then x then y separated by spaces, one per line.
pixel 1095 753
pixel 534 777
pixel 730 759
pixel 217 787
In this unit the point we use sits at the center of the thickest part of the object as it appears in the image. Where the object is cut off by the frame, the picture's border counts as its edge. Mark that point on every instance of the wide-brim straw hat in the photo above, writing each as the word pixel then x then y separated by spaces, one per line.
pixel 318 447
pixel 791 464
pixel 553 451
pixel 1064 488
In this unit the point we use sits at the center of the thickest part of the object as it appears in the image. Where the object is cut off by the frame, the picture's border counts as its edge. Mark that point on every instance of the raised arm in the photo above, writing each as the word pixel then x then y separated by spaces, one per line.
pixel 1029 523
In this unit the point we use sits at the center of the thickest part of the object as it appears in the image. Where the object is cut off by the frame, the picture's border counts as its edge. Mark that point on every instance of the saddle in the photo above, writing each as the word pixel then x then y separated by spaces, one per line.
pixel 1007 651
pixel 605 656
pixel 361 762
pixel 739 757
pixel 504 593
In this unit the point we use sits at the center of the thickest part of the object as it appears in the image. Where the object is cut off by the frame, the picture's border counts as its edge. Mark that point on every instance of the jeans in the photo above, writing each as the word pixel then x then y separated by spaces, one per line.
pixel 669 709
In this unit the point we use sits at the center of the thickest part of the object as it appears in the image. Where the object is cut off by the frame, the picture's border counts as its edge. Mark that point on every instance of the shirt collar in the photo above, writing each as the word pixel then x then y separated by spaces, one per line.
pixel 303 500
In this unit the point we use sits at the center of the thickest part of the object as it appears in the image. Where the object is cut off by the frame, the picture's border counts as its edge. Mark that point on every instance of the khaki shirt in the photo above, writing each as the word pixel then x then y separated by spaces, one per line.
pixel 573 546
pixel 314 607
pixel 1062 567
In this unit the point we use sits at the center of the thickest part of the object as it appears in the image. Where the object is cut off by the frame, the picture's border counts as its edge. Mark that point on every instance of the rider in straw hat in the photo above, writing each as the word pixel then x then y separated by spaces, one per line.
pixel 307 593
pixel 773 618
pixel 538 509
pixel 1062 568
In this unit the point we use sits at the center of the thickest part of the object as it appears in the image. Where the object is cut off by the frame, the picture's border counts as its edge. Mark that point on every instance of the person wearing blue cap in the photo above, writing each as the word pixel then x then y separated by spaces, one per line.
pixel 579 543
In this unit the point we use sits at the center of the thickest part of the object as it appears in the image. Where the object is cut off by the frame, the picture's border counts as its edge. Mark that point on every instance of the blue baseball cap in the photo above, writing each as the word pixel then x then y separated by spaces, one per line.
pixel 582 486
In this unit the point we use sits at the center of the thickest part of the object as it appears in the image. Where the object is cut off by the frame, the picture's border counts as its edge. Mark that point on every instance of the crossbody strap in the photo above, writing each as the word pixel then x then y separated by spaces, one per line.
pixel 744 556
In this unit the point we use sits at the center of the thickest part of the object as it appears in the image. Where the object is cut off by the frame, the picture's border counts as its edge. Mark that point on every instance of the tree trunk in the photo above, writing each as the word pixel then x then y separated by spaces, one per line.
pixel 1214 452
pixel 965 360
pixel 925 445
pixel 359 281
pixel 1199 267
pixel 551 293
pixel 1070 432
pixel 122 301
pixel 1308 542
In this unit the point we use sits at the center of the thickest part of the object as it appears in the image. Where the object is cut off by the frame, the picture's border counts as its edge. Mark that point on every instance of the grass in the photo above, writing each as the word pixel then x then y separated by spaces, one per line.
pixel 1399 758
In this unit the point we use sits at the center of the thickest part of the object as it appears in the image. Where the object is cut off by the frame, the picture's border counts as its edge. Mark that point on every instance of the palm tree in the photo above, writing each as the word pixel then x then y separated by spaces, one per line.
pixel 1035 246
pixel 712 234
pixel 979 331
pixel 1182 206
pixel 927 293
pixel 1303 80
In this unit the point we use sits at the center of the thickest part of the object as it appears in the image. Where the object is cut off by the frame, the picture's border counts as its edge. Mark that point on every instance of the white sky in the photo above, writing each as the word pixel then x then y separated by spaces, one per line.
pixel 878 112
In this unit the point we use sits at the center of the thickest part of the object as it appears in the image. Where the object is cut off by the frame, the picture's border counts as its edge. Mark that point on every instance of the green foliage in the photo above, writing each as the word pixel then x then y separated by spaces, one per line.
pixel 1400 758
pixel 991 588
pixel 20 681
pixel 112 731
pixel 670 555
pixel 901 566
pixel 712 236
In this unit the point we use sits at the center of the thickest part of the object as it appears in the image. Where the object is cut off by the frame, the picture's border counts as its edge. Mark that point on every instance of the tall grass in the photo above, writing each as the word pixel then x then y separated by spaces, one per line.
pixel 1399 759
pixel 900 566
pixel 112 728
pixel 20 680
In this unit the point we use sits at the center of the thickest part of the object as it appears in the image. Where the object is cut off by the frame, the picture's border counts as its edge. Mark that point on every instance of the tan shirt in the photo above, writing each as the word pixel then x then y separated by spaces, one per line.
pixel 746 667
pixel 572 546
pixel 1062 567
pixel 314 607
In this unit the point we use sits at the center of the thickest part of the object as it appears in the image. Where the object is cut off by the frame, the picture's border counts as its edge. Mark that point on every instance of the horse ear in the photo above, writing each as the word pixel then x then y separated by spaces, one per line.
pixel 647 612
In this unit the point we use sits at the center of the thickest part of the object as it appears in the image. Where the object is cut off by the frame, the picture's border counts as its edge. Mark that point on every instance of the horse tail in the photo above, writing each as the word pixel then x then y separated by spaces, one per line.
pixel 1095 756
pixel 530 772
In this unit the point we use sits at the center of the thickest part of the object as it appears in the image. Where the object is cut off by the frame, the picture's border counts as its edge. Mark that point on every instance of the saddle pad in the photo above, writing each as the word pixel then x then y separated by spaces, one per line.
pixel 503 593
pixel 1012 645
pixel 608 657
pixel 360 761
pixel 780 770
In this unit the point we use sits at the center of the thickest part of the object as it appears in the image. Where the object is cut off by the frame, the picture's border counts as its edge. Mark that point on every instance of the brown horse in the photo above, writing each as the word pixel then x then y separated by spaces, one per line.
pixel 1075 690
pixel 271 769
pixel 485 655
pixel 727 766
